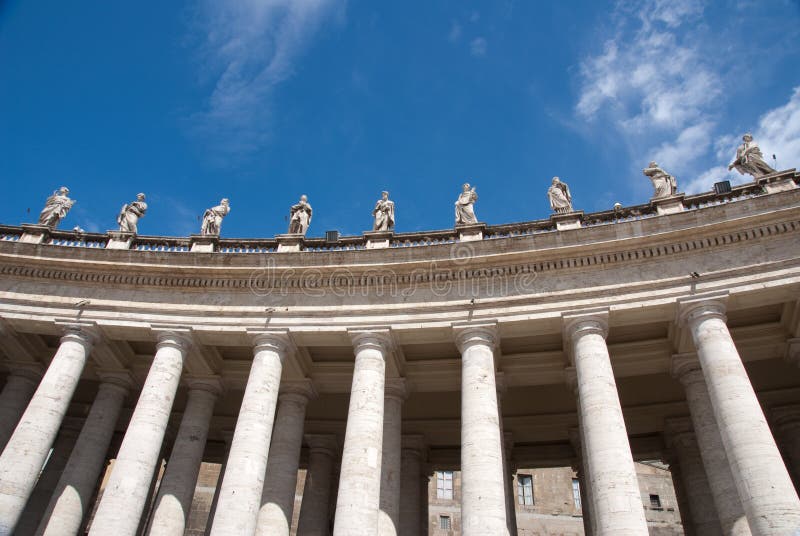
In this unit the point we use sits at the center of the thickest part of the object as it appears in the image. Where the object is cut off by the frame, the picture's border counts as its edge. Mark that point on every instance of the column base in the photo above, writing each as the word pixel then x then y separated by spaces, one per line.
pixel 33 233
pixel 290 242
pixel 119 240
pixel 568 220
pixel 204 243
pixel 668 205
pixel 378 239
pixel 779 181
pixel 470 232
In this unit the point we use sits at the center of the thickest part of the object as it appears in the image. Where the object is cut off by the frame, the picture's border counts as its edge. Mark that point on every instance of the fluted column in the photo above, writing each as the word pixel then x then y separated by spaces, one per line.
pixel 243 483
pixel 171 511
pixel 17 392
pixel 389 513
pixel 27 450
pixel 413 447
pixel 315 508
pixel 686 368
pixel 71 501
pixel 126 492
pixel 483 495
pixel 616 500
pixel 765 488
pixel 280 483
pixel 358 498
pixel 786 423
pixel 681 439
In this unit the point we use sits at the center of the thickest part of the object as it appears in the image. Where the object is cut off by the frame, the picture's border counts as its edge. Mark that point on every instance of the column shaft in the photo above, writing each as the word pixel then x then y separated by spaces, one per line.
pixel 17 392
pixel 765 488
pixel 315 508
pixel 360 481
pixel 280 484
pixel 617 503
pixel 126 493
pixel 28 447
pixel 171 512
pixel 243 482
pixel 410 473
pixel 71 501
pixel 483 495
pixel 389 514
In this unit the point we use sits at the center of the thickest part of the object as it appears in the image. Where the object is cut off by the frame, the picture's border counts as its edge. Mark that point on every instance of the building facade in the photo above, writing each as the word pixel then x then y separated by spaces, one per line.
pixel 329 384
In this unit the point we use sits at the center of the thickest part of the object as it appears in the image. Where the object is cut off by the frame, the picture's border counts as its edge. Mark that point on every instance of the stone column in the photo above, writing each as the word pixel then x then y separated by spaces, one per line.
pixel 413 447
pixel 227 436
pixel 424 516
pixel 786 423
pixel 171 511
pixel 27 450
pixel 680 494
pixel 483 494
pixel 508 443
pixel 765 488
pixel 243 483
pixel 126 492
pixel 686 368
pixel 315 508
pixel 358 498
pixel 616 501
pixel 580 466
pixel 389 513
pixel 16 394
pixel 681 439
pixel 72 499
pixel 280 483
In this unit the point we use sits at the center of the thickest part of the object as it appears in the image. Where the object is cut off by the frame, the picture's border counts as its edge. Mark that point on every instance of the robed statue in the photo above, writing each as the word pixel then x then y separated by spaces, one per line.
pixel 300 217
pixel 56 207
pixel 749 160
pixel 383 213
pixel 664 184
pixel 559 196
pixel 212 218
pixel 465 210
pixel 128 218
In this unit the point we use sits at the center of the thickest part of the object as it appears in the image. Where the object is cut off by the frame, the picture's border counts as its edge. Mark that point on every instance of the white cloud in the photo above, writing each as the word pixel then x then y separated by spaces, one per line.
pixel 455 32
pixel 692 143
pixel 477 47
pixel 248 48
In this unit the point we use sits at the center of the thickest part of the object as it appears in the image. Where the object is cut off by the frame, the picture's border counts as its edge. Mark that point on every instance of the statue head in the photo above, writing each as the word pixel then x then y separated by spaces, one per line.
pixel 303 198
pixel 556 180
pixel 384 195
pixel 747 137
pixel 140 197
pixel 63 190
pixel 465 187
pixel 224 201
pixel 652 164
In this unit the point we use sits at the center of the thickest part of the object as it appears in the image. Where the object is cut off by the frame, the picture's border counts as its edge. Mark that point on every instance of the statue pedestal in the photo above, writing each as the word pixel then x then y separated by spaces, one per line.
pixel 779 181
pixel 119 240
pixel 289 242
pixel 33 233
pixel 378 239
pixel 567 220
pixel 470 231
pixel 204 243
pixel 668 205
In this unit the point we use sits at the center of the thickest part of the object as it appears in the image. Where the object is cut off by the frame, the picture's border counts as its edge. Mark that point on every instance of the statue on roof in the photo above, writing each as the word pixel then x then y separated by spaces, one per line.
pixel 465 210
pixel 129 214
pixel 664 184
pixel 559 196
pixel 749 160
pixel 56 208
pixel 212 218
pixel 383 213
pixel 300 217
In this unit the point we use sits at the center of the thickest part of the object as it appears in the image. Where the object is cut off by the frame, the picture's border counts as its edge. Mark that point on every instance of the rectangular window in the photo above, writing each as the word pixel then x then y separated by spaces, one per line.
pixel 525 490
pixel 655 501
pixel 444 522
pixel 444 485
pixel 576 493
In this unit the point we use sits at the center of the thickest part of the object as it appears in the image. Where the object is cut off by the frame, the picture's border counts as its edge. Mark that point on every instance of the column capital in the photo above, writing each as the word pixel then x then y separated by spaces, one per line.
pixel 210 384
pixel 326 444
pixel 679 433
pixel 584 322
pixel 378 338
pixel 179 338
pixel 470 333
pixel 571 378
pixel 793 350
pixel 785 417
pixel 396 388
pixel 30 371
pixel 277 340
pixel 711 304
pixel 686 367
pixel 82 332
pixel 297 391
pixel 414 443
pixel 121 379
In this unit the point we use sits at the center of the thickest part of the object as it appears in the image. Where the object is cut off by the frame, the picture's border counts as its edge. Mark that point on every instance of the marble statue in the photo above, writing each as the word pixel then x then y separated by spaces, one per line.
pixel 56 207
pixel 664 184
pixel 212 218
pixel 465 211
pixel 560 198
pixel 129 215
pixel 300 217
pixel 384 213
pixel 749 160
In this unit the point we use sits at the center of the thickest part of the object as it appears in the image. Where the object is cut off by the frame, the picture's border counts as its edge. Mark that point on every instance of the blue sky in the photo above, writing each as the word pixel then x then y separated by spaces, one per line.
pixel 263 100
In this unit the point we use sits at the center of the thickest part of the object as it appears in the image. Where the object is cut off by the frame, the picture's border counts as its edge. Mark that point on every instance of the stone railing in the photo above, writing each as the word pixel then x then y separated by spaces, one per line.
pixel 775 182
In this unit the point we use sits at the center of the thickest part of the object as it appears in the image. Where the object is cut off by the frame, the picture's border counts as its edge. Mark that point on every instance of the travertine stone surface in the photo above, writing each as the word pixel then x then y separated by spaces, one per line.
pixel 27 450
pixel 171 507
pixel 617 504
pixel 243 483
pixel 315 508
pixel 681 439
pixel 483 497
pixel 765 488
pixel 412 455
pixel 70 502
pixel 508 445
pixel 729 507
pixel 580 465
pixel 389 513
pixel 16 395
pixel 786 424
pixel 125 495
pixel 360 481
pixel 277 499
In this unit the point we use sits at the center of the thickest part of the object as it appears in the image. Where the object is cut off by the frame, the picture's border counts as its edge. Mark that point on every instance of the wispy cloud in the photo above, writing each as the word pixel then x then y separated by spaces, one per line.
pixel 477 47
pixel 248 47
pixel 455 32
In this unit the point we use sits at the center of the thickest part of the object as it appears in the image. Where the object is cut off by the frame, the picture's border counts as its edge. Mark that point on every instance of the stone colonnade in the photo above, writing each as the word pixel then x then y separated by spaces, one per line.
pixel 728 459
